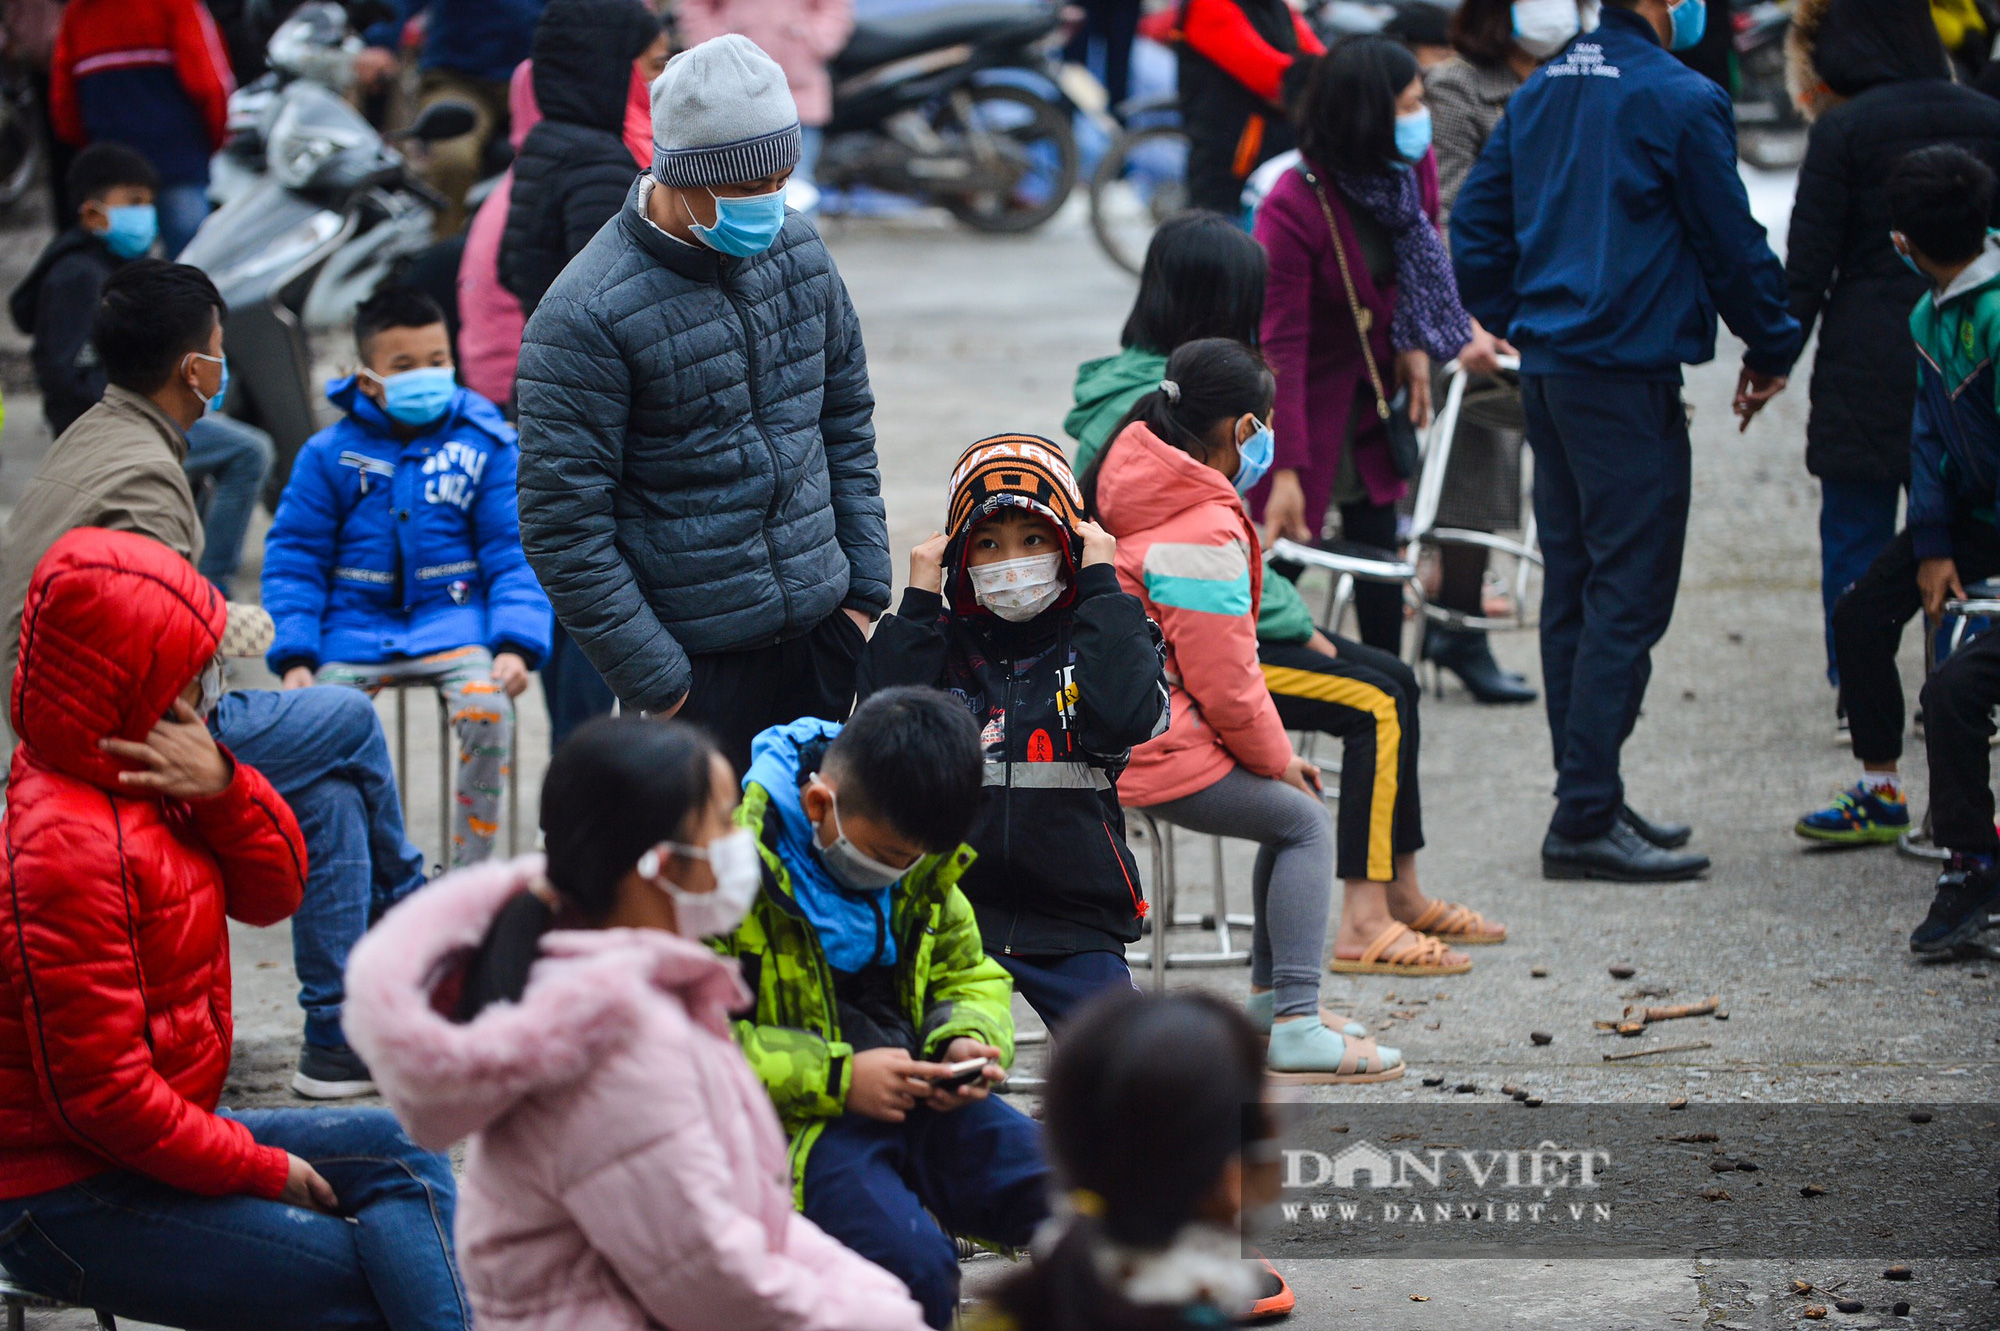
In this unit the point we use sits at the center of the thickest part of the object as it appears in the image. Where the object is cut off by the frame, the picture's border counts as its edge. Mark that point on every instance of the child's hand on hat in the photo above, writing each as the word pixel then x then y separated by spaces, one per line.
pixel 1099 545
pixel 927 564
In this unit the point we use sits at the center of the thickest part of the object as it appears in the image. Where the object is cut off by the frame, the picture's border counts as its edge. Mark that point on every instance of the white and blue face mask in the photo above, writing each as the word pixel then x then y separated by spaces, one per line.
pixel 1543 27
pixel 1690 21
pixel 743 226
pixel 1253 458
pixel 419 396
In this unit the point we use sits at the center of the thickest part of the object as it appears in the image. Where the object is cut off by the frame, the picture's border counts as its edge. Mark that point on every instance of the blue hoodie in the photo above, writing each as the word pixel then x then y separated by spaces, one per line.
pixel 383 548
pixel 853 927
pixel 1605 225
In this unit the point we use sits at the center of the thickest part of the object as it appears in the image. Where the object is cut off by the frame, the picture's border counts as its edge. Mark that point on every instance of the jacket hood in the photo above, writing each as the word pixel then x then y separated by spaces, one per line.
pixel 26 301
pixel 845 921
pixel 1144 482
pixel 1983 271
pixel 522 112
pixel 583 56
pixel 585 996
pixel 1837 49
pixel 114 626
pixel 467 408
pixel 1105 390
pixel 1020 471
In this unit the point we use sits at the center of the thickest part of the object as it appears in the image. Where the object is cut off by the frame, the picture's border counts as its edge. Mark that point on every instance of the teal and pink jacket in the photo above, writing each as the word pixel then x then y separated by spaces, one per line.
pixel 1188 551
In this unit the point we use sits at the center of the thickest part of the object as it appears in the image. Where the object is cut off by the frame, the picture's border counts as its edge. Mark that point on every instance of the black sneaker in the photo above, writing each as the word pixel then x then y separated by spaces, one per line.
pixel 332 1072
pixel 1965 897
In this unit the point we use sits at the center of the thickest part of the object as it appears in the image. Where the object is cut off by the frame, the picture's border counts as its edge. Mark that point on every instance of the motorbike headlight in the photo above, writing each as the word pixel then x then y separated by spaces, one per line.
pixel 313 126
pixel 312 28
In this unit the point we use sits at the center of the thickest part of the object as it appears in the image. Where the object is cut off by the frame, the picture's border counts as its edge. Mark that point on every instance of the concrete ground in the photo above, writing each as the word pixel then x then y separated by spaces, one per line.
pixel 970 336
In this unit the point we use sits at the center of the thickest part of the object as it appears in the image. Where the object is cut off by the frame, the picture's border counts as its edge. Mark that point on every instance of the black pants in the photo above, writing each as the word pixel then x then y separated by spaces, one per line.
pixel 1378 606
pixel 1868 625
pixel 1368 701
pixel 1111 24
pixel 1958 725
pixel 737 695
pixel 1612 479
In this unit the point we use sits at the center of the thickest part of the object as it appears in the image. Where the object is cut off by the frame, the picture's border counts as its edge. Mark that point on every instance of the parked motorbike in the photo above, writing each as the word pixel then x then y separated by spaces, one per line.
pixel 1770 126
pixel 963 106
pixel 314 230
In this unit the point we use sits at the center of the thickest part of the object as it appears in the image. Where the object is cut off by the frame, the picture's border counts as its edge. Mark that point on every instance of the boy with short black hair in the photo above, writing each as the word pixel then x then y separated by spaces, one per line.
pixel 1939 201
pixel 396 552
pixel 117 221
pixel 1017 612
pixel 870 983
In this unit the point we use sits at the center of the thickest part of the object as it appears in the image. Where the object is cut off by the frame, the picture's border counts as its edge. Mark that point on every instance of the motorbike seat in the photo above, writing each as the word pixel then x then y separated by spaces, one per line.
pixel 878 41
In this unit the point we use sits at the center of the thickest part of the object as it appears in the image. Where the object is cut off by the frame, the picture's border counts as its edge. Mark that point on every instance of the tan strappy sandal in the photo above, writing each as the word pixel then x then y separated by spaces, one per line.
pixel 1400 950
pixel 1361 1060
pixel 1449 922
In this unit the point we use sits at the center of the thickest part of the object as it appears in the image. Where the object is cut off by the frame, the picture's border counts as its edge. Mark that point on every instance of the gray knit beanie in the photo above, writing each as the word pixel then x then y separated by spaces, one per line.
pixel 722 113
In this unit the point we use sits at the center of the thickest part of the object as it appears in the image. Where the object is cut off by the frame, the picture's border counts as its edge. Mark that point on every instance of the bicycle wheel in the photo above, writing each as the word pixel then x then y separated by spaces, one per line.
pixel 1139 184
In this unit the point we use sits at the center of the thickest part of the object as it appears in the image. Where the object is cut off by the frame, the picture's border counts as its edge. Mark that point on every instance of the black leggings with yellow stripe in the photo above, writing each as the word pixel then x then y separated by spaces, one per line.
pixel 1367 699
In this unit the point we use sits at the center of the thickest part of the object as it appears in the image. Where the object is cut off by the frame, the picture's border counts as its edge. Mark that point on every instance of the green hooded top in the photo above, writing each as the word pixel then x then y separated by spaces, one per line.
pixel 1106 389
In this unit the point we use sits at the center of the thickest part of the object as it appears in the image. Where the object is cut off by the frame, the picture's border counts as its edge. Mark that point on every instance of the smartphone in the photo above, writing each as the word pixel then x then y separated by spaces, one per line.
pixel 961 1074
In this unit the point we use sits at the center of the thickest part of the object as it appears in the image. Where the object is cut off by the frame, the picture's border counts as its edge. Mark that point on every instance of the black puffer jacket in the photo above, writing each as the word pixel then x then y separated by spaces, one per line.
pixel 697 451
pixel 1868 74
pixel 573 169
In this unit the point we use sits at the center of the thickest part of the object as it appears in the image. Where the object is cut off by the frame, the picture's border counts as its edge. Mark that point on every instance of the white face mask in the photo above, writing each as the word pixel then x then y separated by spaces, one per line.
pixel 212 686
pixel 1543 27
pixel 738 875
pixel 1018 589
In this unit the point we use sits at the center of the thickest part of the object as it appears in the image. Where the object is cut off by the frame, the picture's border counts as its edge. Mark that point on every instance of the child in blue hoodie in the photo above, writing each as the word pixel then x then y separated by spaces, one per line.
pixel 396 552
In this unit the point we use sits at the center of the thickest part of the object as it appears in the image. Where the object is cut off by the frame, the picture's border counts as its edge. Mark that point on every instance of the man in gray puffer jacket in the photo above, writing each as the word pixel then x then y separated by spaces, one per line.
pixel 698 486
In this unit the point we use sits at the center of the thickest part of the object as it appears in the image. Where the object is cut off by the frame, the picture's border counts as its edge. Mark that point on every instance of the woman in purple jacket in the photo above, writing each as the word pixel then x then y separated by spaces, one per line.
pixel 1368 176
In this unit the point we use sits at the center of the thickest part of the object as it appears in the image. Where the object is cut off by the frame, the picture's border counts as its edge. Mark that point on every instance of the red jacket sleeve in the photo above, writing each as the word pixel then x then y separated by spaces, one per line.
pixel 1309 42
pixel 84 1006
pixel 255 838
pixel 64 114
pixel 1221 31
pixel 203 66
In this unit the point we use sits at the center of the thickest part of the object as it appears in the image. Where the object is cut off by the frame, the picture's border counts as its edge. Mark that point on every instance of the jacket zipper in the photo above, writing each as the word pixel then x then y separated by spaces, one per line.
pixel 1007 810
pixel 770 449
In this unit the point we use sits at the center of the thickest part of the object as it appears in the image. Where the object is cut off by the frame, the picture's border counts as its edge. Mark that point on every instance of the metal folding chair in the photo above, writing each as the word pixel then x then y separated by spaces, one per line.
pixel 447 785
pixel 1162 917
pixel 18 1299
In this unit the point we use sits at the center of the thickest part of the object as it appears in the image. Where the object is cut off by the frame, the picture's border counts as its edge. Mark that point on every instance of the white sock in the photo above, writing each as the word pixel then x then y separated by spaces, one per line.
pixel 1881 781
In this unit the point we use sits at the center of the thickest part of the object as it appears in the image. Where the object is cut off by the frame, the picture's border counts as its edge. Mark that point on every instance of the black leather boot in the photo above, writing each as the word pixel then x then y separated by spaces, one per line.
pixel 1466 653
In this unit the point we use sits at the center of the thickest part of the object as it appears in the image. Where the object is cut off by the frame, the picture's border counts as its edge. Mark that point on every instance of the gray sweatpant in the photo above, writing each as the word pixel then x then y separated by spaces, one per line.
pixel 1292 888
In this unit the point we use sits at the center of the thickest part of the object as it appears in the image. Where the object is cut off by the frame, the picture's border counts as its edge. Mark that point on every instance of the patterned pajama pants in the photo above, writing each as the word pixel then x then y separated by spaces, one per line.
pixel 482 715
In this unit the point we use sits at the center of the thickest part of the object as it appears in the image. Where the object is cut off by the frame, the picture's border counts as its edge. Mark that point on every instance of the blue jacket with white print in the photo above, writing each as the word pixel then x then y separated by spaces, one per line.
pixel 386 548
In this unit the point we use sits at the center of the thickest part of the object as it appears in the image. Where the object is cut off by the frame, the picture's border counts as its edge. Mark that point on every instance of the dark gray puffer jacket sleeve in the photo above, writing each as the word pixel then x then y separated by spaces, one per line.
pixel 698 466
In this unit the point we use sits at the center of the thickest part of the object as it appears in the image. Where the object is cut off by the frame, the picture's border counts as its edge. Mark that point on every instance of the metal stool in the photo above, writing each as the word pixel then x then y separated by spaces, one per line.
pixel 18 1299
pixel 1163 918
pixel 1981 603
pixel 447 749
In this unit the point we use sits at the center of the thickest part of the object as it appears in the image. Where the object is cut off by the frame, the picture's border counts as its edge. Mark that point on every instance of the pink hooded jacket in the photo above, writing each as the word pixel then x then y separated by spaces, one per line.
pixel 626 1168
pixel 490 316
pixel 1187 549
pixel 801 35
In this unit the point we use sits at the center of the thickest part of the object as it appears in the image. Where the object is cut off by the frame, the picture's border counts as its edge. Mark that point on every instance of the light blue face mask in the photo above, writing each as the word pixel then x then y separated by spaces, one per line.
pixel 1690 21
pixel 1908 262
pixel 744 226
pixel 1253 459
pixel 221 395
pixel 1413 135
pixel 417 397
pixel 133 229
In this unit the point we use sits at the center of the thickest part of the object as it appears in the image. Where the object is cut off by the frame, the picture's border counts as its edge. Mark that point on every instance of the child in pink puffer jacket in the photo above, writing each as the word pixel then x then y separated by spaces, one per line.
pixel 626 1167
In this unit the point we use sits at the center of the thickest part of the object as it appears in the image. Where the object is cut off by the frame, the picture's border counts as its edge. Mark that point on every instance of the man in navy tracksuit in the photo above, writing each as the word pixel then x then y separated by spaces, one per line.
pixel 1603 228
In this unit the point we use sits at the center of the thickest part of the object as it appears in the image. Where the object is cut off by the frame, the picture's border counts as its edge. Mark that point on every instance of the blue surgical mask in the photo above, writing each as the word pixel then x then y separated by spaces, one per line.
pixel 417 397
pixel 1690 21
pixel 744 226
pixel 133 230
pixel 1413 134
pixel 1908 262
pixel 1253 459
pixel 221 395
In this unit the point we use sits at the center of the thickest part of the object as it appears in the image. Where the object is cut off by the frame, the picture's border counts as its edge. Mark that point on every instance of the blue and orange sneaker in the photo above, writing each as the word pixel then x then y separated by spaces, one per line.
pixel 1858 816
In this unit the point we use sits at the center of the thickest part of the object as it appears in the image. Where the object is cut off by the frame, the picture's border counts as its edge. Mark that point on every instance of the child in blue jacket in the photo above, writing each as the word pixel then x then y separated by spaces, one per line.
pixel 396 552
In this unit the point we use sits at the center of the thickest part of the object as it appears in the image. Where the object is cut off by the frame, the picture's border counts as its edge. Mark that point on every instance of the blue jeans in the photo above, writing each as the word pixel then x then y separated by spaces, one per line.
pixel 571 687
pixel 1612 480
pixel 182 209
pixel 1057 986
pixel 238 456
pixel 1857 520
pixel 135 1248
pixel 876 1187
pixel 323 750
